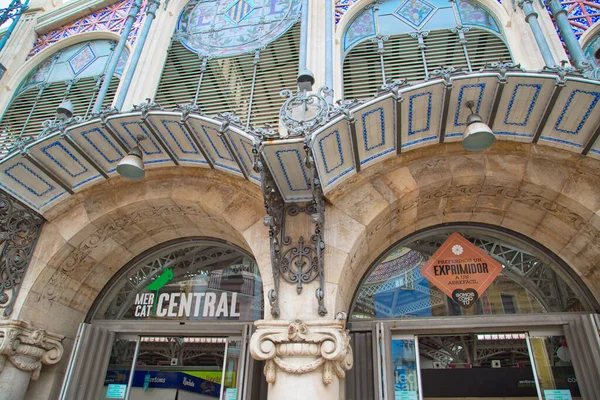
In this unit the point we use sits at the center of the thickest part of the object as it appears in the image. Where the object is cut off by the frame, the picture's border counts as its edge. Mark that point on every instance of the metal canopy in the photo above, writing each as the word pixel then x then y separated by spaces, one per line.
pixel 550 107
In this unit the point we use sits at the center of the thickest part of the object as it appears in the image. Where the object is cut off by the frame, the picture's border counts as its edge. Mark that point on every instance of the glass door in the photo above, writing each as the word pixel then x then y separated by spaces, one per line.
pixel 554 367
pixel 405 367
pixel 173 368
pixel 468 366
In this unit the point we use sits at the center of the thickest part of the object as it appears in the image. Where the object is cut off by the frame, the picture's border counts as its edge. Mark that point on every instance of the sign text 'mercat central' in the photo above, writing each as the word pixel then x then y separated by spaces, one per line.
pixel 187 305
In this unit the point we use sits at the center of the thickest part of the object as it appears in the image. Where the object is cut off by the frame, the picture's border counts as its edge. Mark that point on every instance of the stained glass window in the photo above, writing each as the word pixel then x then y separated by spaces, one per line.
pixel 223 28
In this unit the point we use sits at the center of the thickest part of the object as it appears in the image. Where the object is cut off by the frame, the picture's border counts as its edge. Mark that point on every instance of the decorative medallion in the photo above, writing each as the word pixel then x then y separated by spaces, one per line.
pixel 415 12
pixel 224 28
pixel 82 59
pixel 461 270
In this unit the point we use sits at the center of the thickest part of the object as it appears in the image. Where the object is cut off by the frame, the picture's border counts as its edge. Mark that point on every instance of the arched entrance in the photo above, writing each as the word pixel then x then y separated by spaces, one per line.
pixel 174 323
pixel 518 336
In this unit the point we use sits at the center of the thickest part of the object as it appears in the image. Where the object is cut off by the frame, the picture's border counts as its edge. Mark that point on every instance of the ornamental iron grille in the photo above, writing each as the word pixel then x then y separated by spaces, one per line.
pixel 19 232
pixel 395 287
pixel 294 259
pixel 14 9
pixel 111 18
pixel 197 266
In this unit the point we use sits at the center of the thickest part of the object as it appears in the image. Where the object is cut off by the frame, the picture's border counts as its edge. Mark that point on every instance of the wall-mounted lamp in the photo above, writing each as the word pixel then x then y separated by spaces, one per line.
pixel 478 136
pixel 64 110
pixel 132 165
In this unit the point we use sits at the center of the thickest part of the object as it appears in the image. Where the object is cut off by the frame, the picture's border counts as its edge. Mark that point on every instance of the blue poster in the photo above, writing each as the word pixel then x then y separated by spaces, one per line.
pixel 163 380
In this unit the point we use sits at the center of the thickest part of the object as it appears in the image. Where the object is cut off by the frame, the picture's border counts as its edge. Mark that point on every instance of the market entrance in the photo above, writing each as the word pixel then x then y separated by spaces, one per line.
pixel 174 324
pixel 471 312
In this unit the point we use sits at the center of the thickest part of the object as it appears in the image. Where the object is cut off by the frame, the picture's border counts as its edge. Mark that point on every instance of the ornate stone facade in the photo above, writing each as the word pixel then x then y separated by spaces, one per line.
pixel 28 348
pixel 298 347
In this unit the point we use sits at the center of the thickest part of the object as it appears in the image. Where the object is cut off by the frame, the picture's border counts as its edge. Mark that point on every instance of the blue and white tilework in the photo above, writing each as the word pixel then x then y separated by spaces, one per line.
pixel 375 130
pixel 480 91
pixel 214 144
pixel 286 163
pixel 27 183
pixel 64 162
pixel 242 144
pixel 128 127
pixel 332 149
pixel 98 144
pixel 524 100
pixel 421 111
pixel 167 125
pixel 575 116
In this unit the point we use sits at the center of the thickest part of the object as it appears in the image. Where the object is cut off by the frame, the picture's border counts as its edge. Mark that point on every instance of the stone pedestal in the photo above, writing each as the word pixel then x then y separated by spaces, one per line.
pixel 303 360
pixel 23 351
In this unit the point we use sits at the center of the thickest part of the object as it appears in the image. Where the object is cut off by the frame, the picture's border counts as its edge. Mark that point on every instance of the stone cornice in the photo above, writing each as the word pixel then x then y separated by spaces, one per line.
pixel 69 12
pixel 299 347
pixel 28 348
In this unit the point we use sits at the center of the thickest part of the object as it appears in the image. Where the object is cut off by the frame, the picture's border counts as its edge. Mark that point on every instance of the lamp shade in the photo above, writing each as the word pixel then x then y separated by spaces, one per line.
pixel 478 136
pixel 65 109
pixel 132 165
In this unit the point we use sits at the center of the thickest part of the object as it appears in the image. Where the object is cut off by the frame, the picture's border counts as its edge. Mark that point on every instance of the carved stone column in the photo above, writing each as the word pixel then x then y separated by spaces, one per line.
pixel 304 360
pixel 23 351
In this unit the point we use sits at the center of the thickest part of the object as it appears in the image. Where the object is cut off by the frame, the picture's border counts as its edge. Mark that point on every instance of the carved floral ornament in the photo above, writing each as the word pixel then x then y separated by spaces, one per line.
pixel 299 347
pixel 27 348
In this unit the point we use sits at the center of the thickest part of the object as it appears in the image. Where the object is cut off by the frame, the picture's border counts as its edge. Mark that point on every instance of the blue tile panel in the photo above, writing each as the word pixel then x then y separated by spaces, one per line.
pixel 51 151
pixel 515 94
pixel 594 97
pixel 293 157
pixel 411 112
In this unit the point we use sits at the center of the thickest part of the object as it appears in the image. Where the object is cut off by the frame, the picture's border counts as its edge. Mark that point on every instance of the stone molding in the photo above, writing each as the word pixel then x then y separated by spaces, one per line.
pixel 299 347
pixel 28 348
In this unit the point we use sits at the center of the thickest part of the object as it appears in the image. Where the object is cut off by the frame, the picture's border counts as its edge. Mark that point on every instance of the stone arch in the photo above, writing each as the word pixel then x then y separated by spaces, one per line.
pixel 546 194
pixel 89 237
pixel 35 61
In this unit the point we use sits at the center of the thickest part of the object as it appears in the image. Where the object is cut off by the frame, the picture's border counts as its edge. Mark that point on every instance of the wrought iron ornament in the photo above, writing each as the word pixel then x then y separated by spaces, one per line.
pixel 19 231
pixel 301 262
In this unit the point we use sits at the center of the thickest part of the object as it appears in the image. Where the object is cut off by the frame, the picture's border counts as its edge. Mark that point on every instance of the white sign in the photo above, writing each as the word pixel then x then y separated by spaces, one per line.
pixel 116 391
pixel 187 305
pixel 557 395
pixel 406 395
pixel 230 394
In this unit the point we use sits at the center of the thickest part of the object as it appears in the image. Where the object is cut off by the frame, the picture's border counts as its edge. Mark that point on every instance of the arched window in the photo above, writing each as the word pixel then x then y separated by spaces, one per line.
pixel 531 280
pixel 409 39
pixel 193 280
pixel 73 73
pixel 233 57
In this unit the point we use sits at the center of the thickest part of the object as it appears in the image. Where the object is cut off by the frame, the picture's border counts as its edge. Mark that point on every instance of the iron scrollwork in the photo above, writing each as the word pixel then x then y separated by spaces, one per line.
pixel 314 110
pixel 299 262
pixel 19 231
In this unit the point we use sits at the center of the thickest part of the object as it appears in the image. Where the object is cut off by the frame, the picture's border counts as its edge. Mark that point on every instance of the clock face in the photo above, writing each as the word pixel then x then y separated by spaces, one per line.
pixel 224 28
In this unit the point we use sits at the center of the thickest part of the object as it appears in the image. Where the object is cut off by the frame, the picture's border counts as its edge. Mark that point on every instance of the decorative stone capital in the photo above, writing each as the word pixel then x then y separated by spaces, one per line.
pixel 27 348
pixel 298 347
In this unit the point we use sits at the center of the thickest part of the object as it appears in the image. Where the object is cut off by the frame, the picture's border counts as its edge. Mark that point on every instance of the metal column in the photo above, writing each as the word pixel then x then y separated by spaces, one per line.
pixel 135 57
pixel 116 56
pixel 532 19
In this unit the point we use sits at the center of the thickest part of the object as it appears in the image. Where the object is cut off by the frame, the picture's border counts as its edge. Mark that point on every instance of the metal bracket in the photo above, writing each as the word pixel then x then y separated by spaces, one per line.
pixel 297 262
